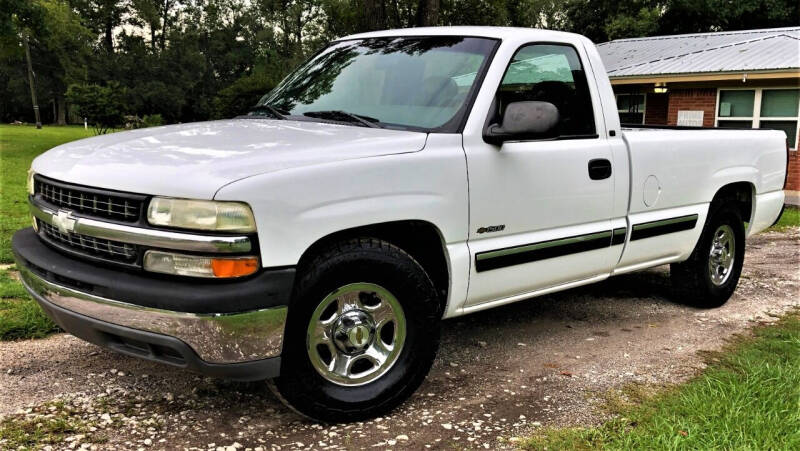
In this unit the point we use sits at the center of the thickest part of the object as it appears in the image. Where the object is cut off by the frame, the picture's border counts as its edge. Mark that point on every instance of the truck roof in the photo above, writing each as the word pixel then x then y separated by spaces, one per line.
pixel 503 33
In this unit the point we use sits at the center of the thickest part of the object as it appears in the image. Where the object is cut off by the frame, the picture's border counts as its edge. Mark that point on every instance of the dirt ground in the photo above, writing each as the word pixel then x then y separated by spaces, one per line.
pixel 500 373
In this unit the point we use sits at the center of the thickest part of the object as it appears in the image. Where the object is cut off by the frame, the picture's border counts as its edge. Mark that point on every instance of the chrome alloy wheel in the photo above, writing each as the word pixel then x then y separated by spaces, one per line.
pixel 356 334
pixel 722 254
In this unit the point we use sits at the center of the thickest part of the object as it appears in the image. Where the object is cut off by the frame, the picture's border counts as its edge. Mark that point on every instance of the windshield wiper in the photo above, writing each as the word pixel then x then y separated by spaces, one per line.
pixel 270 109
pixel 344 116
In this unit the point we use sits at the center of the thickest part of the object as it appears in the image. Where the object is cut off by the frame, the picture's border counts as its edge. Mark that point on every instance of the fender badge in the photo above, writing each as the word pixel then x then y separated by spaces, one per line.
pixel 492 229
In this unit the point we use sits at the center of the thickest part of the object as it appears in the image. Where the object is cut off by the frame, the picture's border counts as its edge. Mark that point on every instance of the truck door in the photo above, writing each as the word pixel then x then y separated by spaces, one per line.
pixel 541 210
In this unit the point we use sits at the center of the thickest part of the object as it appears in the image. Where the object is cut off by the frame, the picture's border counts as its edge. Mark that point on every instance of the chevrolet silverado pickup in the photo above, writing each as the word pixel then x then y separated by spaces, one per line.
pixel 395 179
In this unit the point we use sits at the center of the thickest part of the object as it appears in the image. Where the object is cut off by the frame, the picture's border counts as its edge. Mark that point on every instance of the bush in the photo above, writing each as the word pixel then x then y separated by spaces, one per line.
pixel 133 122
pixel 103 106
pixel 245 92
pixel 152 120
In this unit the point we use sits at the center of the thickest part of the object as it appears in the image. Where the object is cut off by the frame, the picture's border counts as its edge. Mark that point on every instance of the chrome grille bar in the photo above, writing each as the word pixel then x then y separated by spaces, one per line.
pixel 147 237
pixel 94 246
pixel 89 203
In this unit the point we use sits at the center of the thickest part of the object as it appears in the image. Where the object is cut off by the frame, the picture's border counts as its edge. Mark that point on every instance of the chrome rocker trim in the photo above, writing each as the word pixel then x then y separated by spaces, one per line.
pixel 216 338
pixel 147 237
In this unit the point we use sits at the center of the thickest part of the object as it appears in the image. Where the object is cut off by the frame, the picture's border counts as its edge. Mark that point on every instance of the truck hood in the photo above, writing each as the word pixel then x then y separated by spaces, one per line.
pixel 195 160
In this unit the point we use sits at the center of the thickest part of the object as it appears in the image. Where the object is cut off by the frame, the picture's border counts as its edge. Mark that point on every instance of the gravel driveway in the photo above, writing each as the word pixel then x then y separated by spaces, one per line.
pixel 500 373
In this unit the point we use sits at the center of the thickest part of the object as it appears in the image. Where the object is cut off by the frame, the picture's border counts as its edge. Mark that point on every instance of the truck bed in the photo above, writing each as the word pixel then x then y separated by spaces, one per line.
pixel 686 165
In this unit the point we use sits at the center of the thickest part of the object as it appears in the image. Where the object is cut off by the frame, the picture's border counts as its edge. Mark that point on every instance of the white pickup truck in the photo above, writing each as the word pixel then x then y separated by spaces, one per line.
pixel 395 179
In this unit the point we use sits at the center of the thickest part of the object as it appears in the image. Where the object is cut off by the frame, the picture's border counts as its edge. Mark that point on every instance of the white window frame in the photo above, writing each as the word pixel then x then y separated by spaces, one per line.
pixel 644 107
pixel 756 117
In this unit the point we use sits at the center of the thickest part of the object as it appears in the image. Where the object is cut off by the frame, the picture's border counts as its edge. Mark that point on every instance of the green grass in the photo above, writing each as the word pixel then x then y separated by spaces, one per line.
pixel 20 316
pixel 789 218
pixel 19 145
pixel 748 398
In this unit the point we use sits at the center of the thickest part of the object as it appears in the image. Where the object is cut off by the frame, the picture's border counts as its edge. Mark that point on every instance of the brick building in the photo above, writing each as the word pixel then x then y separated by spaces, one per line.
pixel 745 78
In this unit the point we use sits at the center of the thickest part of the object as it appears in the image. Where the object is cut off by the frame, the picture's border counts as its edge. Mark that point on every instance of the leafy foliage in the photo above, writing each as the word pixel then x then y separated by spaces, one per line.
pixel 152 120
pixel 102 106
pixel 193 60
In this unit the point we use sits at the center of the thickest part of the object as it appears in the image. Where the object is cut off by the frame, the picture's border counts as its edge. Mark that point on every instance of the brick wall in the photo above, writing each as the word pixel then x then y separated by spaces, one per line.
pixel 655 112
pixel 793 182
pixel 704 99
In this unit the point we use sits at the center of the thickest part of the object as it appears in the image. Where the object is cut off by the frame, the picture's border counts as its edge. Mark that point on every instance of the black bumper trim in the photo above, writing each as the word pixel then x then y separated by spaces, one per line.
pixel 268 288
pixel 155 347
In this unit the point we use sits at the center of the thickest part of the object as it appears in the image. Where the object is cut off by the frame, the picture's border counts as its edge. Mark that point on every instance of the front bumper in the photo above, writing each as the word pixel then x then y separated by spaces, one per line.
pixel 99 305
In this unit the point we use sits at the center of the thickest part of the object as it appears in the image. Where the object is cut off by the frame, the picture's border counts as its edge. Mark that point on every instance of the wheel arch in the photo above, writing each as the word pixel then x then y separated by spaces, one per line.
pixel 421 239
pixel 741 194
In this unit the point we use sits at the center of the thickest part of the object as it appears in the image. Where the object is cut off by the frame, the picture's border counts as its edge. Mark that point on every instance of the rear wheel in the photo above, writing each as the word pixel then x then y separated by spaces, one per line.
pixel 710 275
pixel 362 332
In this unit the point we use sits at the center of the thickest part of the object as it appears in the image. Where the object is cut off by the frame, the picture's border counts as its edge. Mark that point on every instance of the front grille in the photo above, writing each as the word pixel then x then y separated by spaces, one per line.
pixel 89 201
pixel 91 246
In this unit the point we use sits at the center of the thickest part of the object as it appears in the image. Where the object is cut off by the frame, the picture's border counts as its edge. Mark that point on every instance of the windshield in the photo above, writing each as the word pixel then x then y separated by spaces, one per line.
pixel 411 83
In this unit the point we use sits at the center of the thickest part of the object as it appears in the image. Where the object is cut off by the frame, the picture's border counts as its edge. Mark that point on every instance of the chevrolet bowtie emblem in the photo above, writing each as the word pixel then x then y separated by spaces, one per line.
pixel 64 221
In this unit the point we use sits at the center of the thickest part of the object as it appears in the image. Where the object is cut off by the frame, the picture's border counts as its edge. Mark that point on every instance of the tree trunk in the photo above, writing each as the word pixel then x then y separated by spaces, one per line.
pixel 299 25
pixel 31 81
pixel 62 110
pixel 165 23
pixel 286 38
pixel 108 39
pixel 428 13
pixel 396 20
pixel 375 14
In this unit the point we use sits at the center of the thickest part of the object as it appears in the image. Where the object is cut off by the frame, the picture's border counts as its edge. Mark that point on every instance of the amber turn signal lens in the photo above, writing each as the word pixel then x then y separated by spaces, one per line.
pixel 199 265
pixel 234 267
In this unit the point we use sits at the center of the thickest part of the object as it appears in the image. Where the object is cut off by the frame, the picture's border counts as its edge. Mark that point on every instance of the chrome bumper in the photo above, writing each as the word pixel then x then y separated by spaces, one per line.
pixel 216 338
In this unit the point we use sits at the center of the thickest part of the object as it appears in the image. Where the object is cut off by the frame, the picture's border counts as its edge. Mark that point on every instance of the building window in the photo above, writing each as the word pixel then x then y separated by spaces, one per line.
pixel 631 108
pixel 775 108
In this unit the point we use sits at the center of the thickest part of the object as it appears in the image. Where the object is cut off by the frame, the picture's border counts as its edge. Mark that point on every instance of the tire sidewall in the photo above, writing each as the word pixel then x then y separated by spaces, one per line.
pixel 731 217
pixel 317 397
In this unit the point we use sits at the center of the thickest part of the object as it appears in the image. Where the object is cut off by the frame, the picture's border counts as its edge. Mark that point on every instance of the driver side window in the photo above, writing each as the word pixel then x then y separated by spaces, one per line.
pixel 549 73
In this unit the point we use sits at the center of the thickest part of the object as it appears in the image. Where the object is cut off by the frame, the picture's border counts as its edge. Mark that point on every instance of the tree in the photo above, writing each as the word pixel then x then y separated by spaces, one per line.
pixel 18 20
pixel 102 17
pixel 603 20
pixel 374 15
pixel 102 106
pixel 158 16
pixel 197 59
pixel 427 13
pixel 697 16
pixel 62 52
pixel 59 46
pixel 245 92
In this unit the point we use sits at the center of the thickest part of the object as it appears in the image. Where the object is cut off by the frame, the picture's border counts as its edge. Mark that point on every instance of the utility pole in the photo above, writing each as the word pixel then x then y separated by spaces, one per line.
pixel 30 81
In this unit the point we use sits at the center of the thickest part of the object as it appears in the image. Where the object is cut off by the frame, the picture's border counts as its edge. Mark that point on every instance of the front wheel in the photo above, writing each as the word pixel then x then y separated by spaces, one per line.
pixel 362 332
pixel 710 275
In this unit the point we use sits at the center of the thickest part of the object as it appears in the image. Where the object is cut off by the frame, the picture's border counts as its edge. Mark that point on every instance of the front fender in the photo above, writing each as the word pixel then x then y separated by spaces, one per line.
pixel 296 207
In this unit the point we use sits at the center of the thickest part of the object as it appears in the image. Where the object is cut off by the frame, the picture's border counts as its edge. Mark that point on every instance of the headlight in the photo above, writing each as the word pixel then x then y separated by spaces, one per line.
pixel 30 181
pixel 199 266
pixel 201 215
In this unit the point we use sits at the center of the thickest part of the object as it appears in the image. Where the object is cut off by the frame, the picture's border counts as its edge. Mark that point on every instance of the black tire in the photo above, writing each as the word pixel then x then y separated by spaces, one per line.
pixel 364 260
pixel 692 280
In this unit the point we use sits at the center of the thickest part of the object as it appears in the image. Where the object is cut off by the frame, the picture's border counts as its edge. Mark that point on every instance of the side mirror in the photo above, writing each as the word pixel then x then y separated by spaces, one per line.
pixel 523 120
